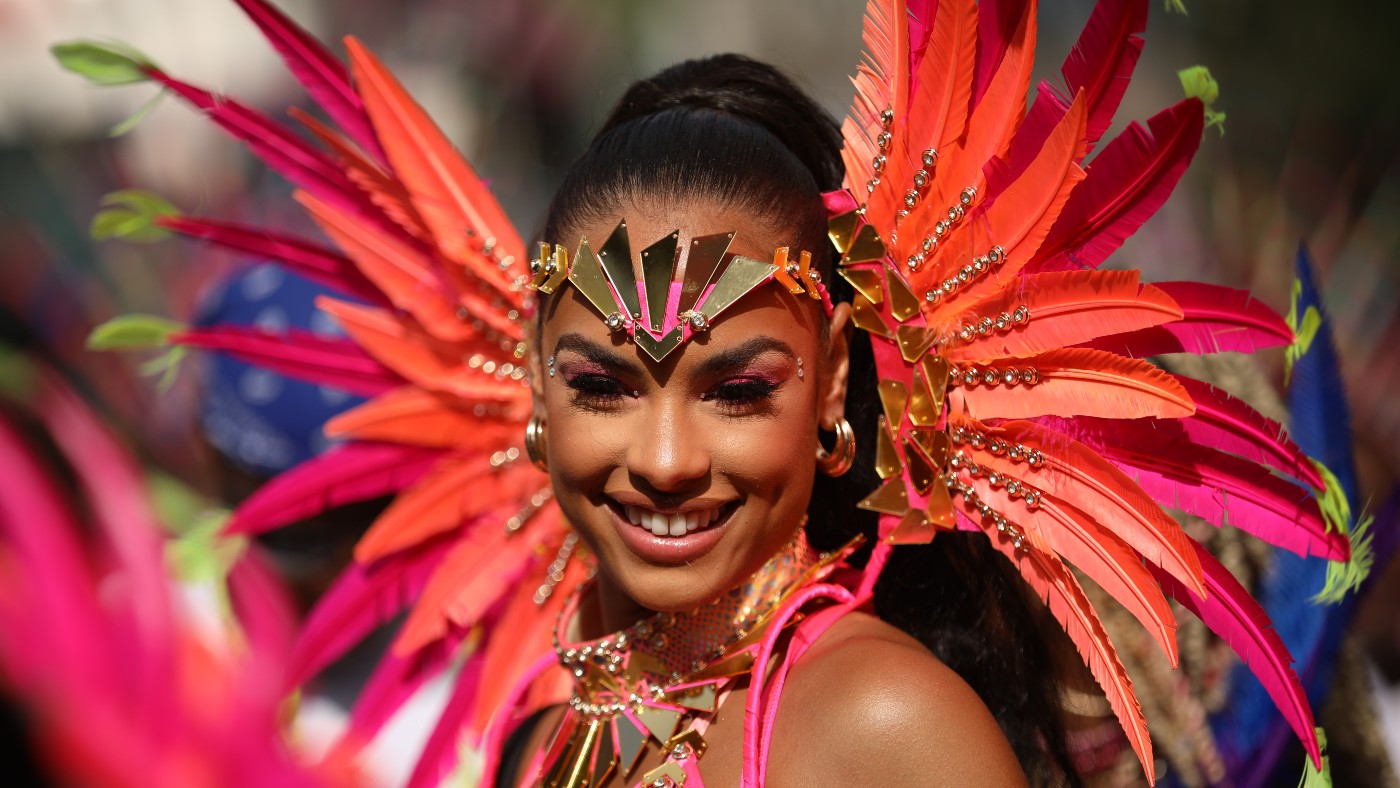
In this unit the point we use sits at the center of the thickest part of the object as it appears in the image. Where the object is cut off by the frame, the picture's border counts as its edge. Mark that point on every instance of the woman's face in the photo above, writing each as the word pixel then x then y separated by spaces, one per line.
pixel 685 475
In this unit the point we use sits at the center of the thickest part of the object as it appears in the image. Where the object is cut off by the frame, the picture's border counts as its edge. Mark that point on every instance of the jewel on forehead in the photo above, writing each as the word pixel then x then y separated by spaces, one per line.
pixel 683 286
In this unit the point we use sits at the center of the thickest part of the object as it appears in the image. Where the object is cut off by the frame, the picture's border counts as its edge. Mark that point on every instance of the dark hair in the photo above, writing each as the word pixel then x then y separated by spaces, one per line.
pixel 737 131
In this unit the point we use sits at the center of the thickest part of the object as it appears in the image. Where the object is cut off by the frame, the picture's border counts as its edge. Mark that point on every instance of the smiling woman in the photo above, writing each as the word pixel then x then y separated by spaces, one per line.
pixel 727 278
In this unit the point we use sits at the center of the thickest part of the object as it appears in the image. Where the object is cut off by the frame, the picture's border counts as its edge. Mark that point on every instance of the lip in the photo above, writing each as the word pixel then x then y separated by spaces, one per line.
pixel 670 550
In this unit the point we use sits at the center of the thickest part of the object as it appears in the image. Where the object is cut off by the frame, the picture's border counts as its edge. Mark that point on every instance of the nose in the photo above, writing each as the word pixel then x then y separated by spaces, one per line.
pixel 669 453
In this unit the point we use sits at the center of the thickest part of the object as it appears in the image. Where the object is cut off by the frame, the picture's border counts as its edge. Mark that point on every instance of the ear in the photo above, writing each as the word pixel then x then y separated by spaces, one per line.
pixel 831 403
pixel 539 364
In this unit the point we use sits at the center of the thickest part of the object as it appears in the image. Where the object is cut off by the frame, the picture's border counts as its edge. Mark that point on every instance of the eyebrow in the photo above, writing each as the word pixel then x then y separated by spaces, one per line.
pixel 596 353
pixel 742 354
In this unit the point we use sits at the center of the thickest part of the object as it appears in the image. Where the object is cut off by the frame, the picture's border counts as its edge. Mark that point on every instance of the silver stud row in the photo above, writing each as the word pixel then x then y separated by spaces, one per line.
pixel 970 496
pixel 965 275
pixel 1016 452
pixel 517 521
pixel 973 375
pixel 556 569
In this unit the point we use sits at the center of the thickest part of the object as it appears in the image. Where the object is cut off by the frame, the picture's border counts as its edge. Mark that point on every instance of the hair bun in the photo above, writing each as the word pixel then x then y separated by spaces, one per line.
pixel 747 89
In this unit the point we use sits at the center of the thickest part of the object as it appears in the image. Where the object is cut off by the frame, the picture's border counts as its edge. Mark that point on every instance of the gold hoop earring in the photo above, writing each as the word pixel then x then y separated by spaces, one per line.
pixel 842 455
pixel 536 443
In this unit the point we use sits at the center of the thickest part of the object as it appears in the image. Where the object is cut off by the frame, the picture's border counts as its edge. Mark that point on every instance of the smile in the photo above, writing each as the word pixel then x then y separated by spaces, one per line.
pixel 673 524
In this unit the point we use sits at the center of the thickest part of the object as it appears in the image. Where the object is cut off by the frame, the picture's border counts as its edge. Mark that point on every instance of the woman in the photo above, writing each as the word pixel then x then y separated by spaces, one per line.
pixel 686 352
pixel 730 431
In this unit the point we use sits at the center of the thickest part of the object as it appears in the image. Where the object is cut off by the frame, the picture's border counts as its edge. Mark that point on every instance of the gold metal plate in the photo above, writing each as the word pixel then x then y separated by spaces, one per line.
pixel 891 498
pixel 887 462
pixel 701 698
pixel 923 410
pixel 840 230
pixel 658 269
pixel 690 738
pixel 867 318
pixel 631 743
pixel 940 504
pixel 587 275
pixel 935 444
pixel 867 282
pixel 784 278
pixel 866 246
pixel 561 270
pixel 706 253
pixel 738 278
pixel 616 258
pixel 894 397
pixel 914 341
pixel 669 769
pixel 921 471
pixel 913 529
pixel 660 722
pixel 936 369
pixel 658 348
pixel 903 303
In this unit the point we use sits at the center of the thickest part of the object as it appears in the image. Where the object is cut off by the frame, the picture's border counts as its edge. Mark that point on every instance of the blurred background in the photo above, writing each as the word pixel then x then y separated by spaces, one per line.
pixel 1308 153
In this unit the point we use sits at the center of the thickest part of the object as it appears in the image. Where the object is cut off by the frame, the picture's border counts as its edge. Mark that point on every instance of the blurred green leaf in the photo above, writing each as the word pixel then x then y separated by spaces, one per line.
pixel 133 332
pixel 1199 84
pixel 137 116
pixel 103 63
pixel 131 215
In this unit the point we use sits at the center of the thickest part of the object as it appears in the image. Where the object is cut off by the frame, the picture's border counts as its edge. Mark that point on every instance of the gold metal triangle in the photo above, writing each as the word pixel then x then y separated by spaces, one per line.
pixel 891 498
pixel 560 260
pixel 658 348
pixel 741 275
pixel 894 397
pixel 660 722
pixel 865 247
pixel 706 254
pixel 587 275
pixel 940 504
pixel 913 529
pixel 701 698
pixel 631 743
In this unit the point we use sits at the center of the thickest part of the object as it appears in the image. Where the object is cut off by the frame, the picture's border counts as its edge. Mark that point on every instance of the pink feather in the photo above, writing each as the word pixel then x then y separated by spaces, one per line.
pixel 1230 612
pixel 1125 186
pixel 1215 319
pixel 441 751
pixel 346 474
pixel 394 680
pixel 325 78
pixel 1222 488
pixel 1102 61
pixel 289 155
pixel 313 261
pixel 362 599
pixel 298 354
pixel 1229 424
pixel 996 19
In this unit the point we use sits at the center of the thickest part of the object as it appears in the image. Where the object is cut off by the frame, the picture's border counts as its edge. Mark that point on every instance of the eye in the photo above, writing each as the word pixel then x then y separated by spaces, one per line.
pixel 594 390
pixel 741 395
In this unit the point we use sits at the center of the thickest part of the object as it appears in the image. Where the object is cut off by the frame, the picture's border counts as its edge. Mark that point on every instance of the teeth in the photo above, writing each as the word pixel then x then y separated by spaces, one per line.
pixel 677 524
pixel 659 524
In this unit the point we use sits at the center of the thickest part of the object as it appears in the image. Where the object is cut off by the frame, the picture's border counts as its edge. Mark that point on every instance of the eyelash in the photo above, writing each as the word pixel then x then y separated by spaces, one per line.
pixel 738 396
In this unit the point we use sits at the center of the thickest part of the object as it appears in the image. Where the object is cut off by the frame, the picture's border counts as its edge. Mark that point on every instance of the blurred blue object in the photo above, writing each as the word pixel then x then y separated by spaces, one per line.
pixel 264 422
pixel 1252 735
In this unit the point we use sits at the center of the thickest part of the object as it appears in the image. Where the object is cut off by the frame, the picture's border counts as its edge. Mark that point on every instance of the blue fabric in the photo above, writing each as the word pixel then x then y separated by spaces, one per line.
pixel 1251 732
pixel 264 422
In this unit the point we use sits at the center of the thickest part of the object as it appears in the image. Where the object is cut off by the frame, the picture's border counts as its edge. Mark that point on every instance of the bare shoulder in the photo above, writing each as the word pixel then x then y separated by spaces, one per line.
pixel 869 705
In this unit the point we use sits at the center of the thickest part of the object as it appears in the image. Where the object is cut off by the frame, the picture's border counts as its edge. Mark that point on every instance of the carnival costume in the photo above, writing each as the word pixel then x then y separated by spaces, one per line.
pixel 1016 402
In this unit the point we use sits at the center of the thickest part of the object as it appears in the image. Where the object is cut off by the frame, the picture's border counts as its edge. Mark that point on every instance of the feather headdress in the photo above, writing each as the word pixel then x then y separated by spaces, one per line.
pixel 1017 402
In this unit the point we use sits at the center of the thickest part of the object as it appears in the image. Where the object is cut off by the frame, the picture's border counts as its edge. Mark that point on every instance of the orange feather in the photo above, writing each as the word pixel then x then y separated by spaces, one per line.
pixel 423 360
pixel 1074 473
pixel 473 577
pixel 1097 552
pixel 1065 598
pixel 943 84
pixel 1081 382
pixel 386 193
pixel 1066 308
pixel 448 194
pixel 415 417
pixel 456 491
